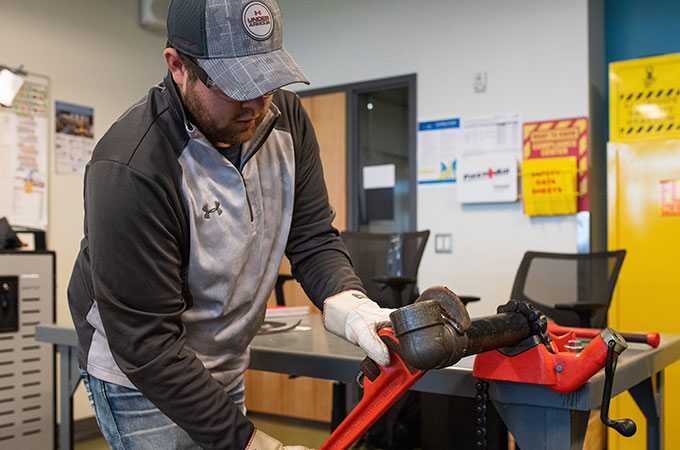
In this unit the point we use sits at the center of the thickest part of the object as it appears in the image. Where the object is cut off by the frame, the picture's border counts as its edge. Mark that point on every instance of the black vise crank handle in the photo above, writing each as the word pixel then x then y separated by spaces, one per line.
pixel 625 427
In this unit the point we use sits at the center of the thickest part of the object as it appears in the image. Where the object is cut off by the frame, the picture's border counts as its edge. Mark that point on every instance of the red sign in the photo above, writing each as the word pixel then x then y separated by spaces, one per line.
pixel 670 197
pixel 559 138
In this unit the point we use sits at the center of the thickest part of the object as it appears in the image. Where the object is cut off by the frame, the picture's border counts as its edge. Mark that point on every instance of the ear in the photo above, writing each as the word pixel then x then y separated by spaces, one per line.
pixel 177 68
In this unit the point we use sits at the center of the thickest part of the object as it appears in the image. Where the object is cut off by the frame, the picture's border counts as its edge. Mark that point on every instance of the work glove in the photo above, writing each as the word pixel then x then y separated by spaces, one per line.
pixel 357 319
pixel 262 441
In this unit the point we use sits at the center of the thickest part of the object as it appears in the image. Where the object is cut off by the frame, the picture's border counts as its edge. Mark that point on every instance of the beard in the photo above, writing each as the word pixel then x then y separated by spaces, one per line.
pixel 219 129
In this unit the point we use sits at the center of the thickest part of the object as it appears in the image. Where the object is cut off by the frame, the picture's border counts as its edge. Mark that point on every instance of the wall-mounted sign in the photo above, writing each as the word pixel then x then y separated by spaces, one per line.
pixel 560 138
pixel 549 186
pixel 644 99
pixel 437 150
pixel 670 197
pixel 487 179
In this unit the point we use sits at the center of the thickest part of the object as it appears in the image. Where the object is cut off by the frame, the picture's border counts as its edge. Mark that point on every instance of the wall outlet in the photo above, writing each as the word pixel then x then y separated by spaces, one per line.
pixel 443 243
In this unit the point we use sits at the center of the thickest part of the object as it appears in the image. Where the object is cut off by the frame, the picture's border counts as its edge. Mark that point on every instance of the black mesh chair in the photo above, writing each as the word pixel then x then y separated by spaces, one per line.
pixel 387 264
pixel 571 289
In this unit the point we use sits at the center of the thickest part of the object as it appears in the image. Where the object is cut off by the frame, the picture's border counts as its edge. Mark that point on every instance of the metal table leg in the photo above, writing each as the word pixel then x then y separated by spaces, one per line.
pixel 69 379
pixel 538 428
pixel 649 399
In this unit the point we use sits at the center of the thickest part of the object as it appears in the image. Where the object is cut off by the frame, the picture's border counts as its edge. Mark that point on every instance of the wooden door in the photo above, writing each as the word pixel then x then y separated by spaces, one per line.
pixel 301 397
pixel 644 192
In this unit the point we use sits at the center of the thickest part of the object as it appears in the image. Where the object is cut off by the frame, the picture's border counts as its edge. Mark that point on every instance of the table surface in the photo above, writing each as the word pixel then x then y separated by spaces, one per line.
pixel 308 350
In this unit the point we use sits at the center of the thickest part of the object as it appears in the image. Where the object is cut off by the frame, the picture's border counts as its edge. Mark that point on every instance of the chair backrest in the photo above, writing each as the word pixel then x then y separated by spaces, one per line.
pixel 548 279
pixel 387 264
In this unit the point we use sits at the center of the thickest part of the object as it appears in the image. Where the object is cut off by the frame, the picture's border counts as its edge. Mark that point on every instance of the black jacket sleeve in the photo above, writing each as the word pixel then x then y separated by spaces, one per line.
pixel 135 254
pixel 318 257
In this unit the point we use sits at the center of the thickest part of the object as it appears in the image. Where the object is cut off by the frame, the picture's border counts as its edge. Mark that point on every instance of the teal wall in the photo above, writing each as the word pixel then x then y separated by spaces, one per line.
pixel 639 28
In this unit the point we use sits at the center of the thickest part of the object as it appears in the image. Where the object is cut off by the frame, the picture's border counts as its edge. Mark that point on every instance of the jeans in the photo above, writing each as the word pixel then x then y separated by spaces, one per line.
pixel 129 421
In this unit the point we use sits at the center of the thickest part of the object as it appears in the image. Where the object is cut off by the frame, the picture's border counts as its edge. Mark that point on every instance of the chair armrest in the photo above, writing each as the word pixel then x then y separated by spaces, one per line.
pixel 468 299
pixel 278 288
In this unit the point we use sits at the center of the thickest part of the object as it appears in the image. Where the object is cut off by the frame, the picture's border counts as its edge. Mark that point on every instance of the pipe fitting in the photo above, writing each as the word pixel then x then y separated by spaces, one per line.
pixel 426 340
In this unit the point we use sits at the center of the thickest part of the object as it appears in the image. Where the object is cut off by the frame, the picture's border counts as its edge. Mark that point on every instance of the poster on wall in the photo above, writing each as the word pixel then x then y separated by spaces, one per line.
pixel 559 138
pixel 23 156
pixel 437 150
pixel 492 133
pixel 74 138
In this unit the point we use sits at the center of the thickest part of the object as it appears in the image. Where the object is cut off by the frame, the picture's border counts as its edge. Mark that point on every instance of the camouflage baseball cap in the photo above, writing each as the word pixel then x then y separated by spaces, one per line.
pixel 239 44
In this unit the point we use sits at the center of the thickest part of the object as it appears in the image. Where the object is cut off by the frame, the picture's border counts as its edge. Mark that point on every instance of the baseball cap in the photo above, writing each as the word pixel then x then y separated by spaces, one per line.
pixel 239 43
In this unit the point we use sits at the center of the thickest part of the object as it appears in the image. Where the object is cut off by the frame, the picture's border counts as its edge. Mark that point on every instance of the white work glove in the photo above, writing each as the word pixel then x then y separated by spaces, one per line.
pixel 262 441
pixel 357 319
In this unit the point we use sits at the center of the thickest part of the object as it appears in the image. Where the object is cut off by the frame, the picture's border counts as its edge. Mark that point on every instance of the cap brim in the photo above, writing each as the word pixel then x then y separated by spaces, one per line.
pixel 252 76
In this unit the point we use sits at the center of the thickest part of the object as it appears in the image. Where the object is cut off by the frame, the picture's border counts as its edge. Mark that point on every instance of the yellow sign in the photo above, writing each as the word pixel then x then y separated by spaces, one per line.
pixel 670 197
pixel 549 186
pixel 644 99
pixel 560 138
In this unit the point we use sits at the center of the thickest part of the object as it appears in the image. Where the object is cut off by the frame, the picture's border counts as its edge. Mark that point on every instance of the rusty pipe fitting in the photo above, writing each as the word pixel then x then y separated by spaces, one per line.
pixel 426 341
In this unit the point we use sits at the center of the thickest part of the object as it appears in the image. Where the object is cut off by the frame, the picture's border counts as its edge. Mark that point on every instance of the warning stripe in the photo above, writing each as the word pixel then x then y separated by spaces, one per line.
pixel 528 129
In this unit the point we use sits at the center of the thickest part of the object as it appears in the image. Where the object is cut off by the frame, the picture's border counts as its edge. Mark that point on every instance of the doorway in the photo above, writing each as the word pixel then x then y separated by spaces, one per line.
pixel 380 154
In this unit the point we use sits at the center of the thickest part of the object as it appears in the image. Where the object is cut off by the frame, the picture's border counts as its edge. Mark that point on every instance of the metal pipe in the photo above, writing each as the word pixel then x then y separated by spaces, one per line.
pixel 501 330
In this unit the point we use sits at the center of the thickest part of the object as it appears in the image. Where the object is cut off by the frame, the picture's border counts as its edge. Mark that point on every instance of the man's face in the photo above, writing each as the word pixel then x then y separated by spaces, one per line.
pixel 221 119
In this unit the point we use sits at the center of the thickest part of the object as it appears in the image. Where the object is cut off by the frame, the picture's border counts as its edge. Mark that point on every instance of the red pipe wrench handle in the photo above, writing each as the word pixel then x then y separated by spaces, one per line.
pixel 383 386
pixel 651 339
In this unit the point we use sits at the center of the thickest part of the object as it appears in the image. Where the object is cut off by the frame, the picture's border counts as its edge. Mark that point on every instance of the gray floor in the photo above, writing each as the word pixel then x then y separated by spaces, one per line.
pixel 288 431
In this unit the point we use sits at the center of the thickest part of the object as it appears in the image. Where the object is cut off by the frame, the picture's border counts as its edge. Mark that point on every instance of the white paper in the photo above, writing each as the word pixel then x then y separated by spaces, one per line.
pixel 23 157
pixel 9 86
pixel 380 176
pixel 487 179
pixel 492 134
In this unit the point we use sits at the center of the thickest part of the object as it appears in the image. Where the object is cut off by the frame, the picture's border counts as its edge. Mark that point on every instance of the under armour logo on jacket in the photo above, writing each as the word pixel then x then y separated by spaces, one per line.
pixel 209 211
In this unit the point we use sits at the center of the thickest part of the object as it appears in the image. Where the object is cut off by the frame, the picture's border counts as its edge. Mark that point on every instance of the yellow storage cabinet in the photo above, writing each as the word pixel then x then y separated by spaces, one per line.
pixel 643 219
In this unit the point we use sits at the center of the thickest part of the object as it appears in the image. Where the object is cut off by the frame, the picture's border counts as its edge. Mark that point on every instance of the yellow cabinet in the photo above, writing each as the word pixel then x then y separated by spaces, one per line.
pixel 642 198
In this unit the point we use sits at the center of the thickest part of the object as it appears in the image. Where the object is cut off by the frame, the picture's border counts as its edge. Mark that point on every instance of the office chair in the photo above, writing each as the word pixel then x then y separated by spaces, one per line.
pixel 387 264
pixel 571 289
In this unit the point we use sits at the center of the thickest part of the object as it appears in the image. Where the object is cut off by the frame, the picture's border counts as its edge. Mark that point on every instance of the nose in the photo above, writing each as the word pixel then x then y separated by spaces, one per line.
pixel 256 104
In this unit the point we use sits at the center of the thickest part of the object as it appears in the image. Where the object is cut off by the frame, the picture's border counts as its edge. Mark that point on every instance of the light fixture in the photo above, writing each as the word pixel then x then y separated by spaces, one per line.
pixel 10 83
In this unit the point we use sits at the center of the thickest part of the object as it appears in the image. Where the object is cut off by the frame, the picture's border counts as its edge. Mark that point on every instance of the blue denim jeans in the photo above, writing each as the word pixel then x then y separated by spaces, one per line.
pixel 129 421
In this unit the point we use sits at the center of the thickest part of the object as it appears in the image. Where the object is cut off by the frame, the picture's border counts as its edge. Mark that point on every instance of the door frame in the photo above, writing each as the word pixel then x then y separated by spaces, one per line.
pixel 352 92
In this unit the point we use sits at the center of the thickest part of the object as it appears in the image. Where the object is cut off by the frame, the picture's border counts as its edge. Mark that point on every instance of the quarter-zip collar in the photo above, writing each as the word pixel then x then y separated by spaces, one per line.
pixel 248 149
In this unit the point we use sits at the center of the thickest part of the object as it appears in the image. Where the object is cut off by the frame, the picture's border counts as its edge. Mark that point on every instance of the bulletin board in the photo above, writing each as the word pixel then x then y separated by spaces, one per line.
pixel 24 144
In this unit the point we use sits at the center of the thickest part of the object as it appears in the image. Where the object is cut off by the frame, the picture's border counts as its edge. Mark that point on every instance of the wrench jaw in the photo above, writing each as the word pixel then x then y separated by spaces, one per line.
pixel 383 386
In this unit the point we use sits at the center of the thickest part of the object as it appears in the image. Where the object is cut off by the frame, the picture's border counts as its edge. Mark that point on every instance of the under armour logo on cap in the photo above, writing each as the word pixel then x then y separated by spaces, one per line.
pixel 258 20
pixel 209 211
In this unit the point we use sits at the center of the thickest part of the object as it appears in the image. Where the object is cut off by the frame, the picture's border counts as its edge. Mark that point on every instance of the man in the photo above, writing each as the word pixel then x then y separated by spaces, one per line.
pixel 191 199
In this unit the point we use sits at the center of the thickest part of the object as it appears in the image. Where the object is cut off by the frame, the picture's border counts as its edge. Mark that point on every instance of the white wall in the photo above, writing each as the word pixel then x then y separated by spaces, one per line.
pixel 536 56
pixel 96 55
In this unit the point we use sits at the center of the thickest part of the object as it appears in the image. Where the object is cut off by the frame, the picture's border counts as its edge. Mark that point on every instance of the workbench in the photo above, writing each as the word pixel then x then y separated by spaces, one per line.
pixel 537 417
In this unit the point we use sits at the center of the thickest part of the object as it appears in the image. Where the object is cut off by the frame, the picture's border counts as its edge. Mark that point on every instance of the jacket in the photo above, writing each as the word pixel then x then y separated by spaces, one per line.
pixel 182 249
